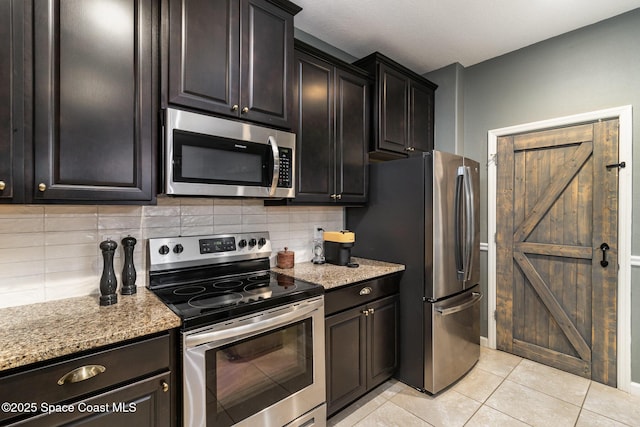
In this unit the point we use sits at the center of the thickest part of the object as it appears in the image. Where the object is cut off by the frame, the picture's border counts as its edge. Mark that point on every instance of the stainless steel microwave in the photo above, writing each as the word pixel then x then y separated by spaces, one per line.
pixel 210 156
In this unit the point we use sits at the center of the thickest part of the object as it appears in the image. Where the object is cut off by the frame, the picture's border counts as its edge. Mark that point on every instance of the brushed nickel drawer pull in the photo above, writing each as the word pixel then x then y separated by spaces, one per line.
pixel 81 374
pixel 365 291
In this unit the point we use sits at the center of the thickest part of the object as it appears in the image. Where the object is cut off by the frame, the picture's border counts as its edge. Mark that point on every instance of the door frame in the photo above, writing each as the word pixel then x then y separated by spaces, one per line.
pixel 624 115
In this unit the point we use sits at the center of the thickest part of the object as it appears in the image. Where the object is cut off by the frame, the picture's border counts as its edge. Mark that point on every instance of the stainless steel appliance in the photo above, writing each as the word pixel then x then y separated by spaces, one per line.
pixel 252 340
pixel 210 156
pixel 423 212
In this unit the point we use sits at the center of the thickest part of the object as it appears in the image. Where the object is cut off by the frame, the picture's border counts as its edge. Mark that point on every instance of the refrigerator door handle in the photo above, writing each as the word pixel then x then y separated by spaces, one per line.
pixel 458 231
pixel 470 223
pixel 475 297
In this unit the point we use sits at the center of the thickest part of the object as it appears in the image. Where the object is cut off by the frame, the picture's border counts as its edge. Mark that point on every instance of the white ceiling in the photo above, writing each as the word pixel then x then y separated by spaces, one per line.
pixel 425 35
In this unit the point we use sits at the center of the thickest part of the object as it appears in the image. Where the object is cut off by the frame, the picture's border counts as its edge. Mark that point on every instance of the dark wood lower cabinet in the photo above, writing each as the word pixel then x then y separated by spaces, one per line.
pixel 143 403
pixel 361 345
pixel 132 384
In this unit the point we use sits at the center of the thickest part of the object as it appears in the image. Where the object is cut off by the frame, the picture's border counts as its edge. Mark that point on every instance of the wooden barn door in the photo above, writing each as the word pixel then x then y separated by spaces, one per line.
pixel 557 221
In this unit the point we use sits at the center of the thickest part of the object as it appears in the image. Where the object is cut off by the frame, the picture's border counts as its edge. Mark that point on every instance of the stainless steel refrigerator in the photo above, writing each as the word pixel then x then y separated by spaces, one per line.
pixel 423 213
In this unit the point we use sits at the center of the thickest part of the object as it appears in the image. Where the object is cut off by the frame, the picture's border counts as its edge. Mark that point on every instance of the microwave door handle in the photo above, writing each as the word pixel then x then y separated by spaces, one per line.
pixel 276 165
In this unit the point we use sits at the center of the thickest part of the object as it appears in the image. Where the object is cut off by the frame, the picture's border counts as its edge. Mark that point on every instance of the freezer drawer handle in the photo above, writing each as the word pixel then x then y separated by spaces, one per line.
pixel 365 291
pixel 476 296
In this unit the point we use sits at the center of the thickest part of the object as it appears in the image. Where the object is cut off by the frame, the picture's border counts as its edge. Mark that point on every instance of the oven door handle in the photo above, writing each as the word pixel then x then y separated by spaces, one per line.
pixel 234 331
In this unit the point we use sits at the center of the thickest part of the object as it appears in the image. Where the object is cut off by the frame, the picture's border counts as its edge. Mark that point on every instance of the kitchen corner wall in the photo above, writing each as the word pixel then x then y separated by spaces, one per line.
pixel 49 252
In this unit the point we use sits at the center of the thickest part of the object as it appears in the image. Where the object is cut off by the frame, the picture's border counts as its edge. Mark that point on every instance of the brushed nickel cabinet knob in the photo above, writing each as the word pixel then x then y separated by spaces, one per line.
pixel 2 185
pixel 165 386
pixel 245 110
pixel 42 187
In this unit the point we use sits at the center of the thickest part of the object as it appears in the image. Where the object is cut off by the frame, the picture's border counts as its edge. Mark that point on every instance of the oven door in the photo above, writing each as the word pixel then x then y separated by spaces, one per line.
pixel 210 156
pixel 262 369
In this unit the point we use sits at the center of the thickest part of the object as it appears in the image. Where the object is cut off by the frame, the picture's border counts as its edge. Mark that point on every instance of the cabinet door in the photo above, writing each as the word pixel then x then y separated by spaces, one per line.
pixel 382 340
pixel 204 55
pixel 352 137
pixel 267 63
pixel 143 403
pixel 393 115
pixel 12 129
pixel 420 117
pixel 94 89
pixel 345 336
pixel 314 129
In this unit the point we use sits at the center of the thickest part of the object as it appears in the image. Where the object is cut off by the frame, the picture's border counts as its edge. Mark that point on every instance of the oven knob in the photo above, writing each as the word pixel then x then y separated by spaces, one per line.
pixel 261 242
pixel 252 242
pixel 164 249
pixel 178 248
pixel 242 243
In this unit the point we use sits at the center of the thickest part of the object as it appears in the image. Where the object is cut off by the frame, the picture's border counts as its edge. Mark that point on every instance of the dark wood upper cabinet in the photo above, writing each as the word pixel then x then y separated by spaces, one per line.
pixel 12 128
pixel 95 100
pixel 403 114
pixel 232 57
pixel 332 129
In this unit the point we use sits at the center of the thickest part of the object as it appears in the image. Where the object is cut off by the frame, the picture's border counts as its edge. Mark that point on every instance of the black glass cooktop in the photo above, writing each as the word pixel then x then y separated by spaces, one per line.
pixel 206 301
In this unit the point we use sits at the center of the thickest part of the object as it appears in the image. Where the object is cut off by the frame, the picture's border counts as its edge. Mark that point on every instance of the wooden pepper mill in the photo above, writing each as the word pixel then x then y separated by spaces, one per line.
pixel 108 281
pixel 128 270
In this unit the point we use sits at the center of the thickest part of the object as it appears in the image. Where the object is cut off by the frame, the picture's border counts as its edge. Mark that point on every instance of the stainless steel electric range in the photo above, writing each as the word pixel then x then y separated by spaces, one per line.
pixel 252 342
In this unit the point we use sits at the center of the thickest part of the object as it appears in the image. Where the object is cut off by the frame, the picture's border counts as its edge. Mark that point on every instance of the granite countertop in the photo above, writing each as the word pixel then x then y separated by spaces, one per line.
pixel 332 276
pixel 38 332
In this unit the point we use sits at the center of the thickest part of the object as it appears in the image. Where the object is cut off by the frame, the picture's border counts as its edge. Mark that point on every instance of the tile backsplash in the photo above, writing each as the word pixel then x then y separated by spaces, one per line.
pixel 49 252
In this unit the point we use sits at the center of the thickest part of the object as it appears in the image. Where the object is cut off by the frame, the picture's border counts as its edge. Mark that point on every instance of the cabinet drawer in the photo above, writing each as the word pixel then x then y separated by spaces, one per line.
pixel 108 367
pixel 345 297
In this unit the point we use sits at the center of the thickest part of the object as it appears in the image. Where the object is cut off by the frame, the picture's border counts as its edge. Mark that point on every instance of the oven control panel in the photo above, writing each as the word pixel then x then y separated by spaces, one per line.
pixel 174 252
pixel 217 244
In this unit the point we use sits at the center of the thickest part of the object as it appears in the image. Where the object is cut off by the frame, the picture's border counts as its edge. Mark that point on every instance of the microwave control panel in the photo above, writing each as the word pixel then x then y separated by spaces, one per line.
pixel 286 162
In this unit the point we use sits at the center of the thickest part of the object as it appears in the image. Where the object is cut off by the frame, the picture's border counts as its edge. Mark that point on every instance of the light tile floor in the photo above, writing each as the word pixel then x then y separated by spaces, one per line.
pixel 501 390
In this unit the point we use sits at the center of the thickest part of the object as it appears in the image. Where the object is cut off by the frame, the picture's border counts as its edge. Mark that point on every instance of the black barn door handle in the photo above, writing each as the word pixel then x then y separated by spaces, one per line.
pixel 604 248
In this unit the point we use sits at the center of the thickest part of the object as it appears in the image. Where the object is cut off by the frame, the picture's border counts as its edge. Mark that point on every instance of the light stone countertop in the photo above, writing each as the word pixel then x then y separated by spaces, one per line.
pixel 43 331
pixel 331 276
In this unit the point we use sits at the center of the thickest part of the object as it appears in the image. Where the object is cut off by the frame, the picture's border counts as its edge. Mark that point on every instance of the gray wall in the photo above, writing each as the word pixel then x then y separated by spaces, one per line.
pixel 593 68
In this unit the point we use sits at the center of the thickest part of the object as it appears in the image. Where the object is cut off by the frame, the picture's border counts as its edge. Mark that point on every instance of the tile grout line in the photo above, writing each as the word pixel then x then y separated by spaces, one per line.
pixel 493 392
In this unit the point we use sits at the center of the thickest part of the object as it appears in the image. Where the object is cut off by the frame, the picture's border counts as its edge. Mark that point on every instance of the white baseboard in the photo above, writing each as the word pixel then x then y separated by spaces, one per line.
pixel 484 342
pixel 634 388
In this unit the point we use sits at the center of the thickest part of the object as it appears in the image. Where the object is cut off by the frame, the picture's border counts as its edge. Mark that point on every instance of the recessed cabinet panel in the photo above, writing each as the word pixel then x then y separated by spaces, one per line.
pixel 96 98
pixel 346 358
pixel 421 117
pixel 10 51
pixel 94 131
pixel 393 123
pixel 268 54
pixel 315 128
pixel 204 54
pixel 352 137
pixel 383 340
